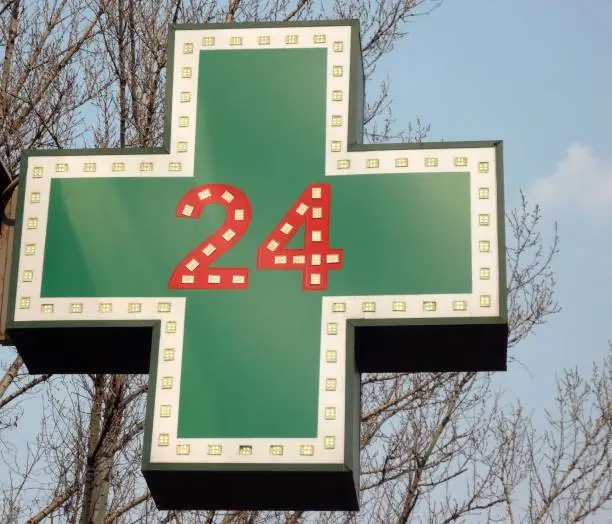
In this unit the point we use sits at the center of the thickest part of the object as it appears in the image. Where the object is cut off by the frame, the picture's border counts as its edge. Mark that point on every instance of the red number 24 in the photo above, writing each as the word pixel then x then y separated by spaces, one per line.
pixel 315 259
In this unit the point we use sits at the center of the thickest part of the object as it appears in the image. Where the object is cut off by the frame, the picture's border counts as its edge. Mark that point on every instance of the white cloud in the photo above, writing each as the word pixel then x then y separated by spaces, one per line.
pixel 581 180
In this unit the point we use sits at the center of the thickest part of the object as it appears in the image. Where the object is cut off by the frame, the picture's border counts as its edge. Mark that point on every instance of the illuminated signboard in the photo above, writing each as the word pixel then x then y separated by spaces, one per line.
pixel 257 263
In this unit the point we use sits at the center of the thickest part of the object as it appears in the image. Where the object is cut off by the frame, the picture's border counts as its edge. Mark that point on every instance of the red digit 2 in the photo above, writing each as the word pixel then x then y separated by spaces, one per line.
pixel 194 271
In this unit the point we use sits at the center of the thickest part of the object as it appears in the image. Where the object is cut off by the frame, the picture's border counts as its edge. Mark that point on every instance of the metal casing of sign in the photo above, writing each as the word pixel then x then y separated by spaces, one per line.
pixel 188 262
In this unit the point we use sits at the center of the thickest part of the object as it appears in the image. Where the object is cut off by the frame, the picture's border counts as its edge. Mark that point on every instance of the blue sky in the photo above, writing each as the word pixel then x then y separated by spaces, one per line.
pixel 535 75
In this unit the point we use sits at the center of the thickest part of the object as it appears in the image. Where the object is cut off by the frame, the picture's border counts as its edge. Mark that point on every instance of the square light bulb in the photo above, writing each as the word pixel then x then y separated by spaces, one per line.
pixel 330 413
pixel 429 305
pixel 134 307
pixel 307 450
pixel 228 235
pixel 276 450
pixel 339 307
pixel 484 246
pixel 192 264
pixel 209 250
pixel 485 300
pixel 459 305
pixel 183 449
pixel 398 305
pixel 330 384
pixel 203 195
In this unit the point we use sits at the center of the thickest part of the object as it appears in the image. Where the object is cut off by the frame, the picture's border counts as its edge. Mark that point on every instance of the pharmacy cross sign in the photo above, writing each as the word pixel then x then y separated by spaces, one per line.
pixel 257 263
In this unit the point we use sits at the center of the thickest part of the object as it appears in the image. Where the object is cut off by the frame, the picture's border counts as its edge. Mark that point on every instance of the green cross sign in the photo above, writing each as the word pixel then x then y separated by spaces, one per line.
pixel 257 263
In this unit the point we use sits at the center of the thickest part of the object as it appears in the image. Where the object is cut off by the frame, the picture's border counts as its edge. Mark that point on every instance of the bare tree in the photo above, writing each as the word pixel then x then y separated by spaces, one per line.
pixel 531 281
pixel 46 79
pixel 570 474
pixel 435 447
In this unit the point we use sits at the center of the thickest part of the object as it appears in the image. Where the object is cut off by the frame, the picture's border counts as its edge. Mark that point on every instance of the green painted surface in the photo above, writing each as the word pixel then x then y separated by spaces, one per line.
pixel 251 358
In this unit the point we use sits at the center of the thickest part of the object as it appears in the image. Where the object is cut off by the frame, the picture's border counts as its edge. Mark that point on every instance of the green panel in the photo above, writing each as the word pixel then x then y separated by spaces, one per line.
pixel 251 358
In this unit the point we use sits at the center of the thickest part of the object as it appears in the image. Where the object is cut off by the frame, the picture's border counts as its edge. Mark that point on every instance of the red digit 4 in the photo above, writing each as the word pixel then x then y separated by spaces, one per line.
pixel 194 271
pixel 311 211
